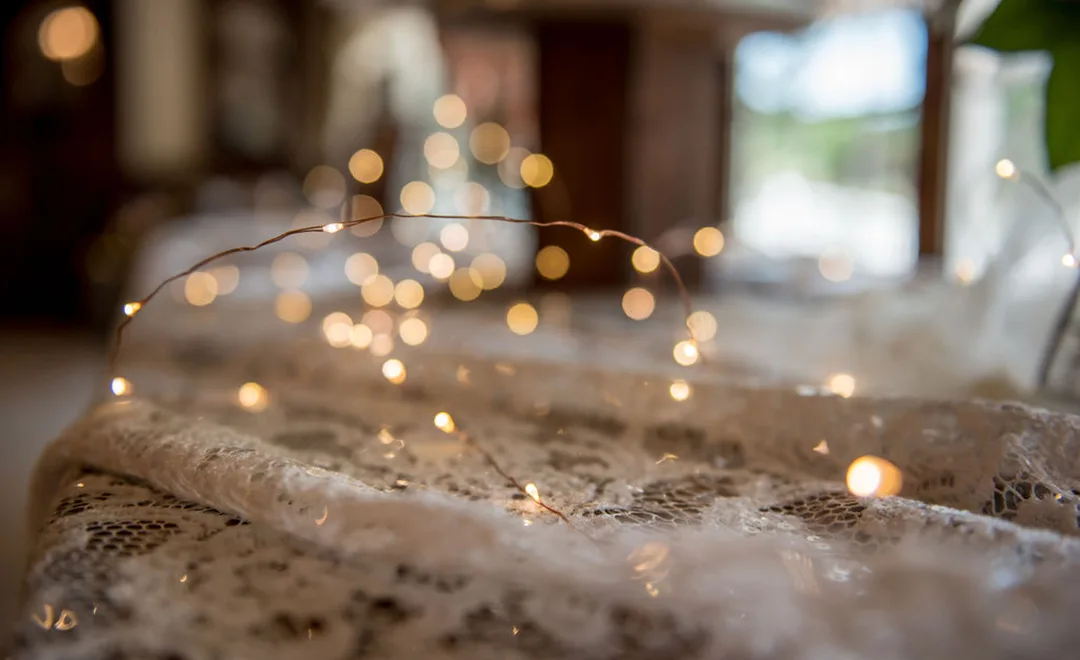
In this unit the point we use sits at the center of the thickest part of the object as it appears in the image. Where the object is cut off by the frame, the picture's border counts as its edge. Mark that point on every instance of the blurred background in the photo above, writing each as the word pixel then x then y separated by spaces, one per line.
pixel 778 149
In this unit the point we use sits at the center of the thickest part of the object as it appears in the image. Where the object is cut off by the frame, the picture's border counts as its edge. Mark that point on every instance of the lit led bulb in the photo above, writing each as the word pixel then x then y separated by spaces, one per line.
pixel 533 491
pixel 394 371
pixel 131 308
pixel 120 386
pixel 592 234
pixel 444 422
pixel 333 227
pixel 870 476
pixel 686 352
pixel 1069 260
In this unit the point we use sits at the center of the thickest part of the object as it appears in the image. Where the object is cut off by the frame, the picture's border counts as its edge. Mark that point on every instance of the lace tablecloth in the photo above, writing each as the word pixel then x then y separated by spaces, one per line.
pixel 527 509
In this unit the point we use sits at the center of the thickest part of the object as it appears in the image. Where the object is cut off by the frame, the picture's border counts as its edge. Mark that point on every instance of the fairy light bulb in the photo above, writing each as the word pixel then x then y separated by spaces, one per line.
pixel 680 390
pixel 131 308
pixel 120 386
pixel 841 384
pixel 252 396
pixel 1069 260
pixel 333 227
pixel 686 352
pixel 871 476
pixel 533 491
pixel 593 235
pixel 1006 169
pixel 444 422
pixel 394 371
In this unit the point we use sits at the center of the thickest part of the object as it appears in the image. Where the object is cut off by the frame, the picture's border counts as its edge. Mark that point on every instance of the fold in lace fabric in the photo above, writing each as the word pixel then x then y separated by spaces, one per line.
pixel 334 518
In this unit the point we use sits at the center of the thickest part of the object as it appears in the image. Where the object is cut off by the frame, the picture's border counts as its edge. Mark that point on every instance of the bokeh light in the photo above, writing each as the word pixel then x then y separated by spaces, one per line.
pixel 417 198
pixel 444 422
pixel 638 303
pixel 422 254
pixel 702 324
pixel 841 384
pixel 552 262
pixel 510 167
pixel 360 268
pixel 537 170
pixel 381 345
pixel 472 199
pixel 413 331
pixel 68 33
pixel 409 294
pixel 465 284
pixel 454 237
pixel 522 318
pixel 394 371
pixel 292 306
pixel 871 476
pixel 362 336
pixel 253 397
pixel 366 166
pixel 380 321
pixel 686 352
pixel 645 259
pixel 366 206
pixel 491 268
pixel 228 278
pixel 200 289
pixel 450 111
pixel 1006 169
pixel 680 390
pixel 441 266
pixel 708 241
pixel 489 143
pixel 120 386
pixel 378 291
pixel 441 150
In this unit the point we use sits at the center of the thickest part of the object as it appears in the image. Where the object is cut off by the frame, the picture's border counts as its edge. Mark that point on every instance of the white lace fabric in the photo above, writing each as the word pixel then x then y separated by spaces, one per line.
pixel 340 521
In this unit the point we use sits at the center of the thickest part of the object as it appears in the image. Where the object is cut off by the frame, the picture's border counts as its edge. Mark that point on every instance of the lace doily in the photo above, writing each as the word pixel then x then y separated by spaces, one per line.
pixel 335 519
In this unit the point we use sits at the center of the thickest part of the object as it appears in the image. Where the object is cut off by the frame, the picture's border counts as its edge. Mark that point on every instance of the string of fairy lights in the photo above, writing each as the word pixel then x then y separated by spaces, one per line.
pixel 374 330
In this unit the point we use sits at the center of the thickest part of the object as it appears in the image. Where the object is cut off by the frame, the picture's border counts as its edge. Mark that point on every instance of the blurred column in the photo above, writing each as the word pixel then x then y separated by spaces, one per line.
pixel 161 100
pixel 935 124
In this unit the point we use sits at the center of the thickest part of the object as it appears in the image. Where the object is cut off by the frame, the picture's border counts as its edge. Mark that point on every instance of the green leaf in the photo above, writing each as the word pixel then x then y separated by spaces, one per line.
pixel 1029 25
pixel 1063 106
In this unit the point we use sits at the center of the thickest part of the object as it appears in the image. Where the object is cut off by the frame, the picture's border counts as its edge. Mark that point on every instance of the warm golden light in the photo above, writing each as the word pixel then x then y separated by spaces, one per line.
pixel 1068 260
pixel 324 187
pixel 253 397
pixel 450 111
pixel 645 259
pixel 841 384
pixel 366 206
pixel 532 491
pixel 333 227
pixel 492 270
pixel 120 386
pixel 510 167
pixel 381 345
pixel 441 266
pixel 1006 169
pixel 338 335
pixel 422 254
pixel 200 289
pixel 366 166
pixel 686 352
pixel 67 34
pixel 522 318
pixel 822 448
pixel 444 422
pixel 380 322
pixel 680 390
pixel 593 235
pixel 441 150
pixel 870 476
pixel 378 291
pixel 702 324
pixel 335 318
pixel 361 268
pixel 417 198
pixel 465 284
pixel 552 262
pixel 292 306
pixel 638 303
pixel 472 199
pixel 413 331
pixel 836 267
pixel 537 170
pixel 708 241
pixel 454 237
pixel 362 336
pixel 409 294
pixel 289 270
pixel 489 143
pixel 394 371
pixel 132 308
pixel 228 278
